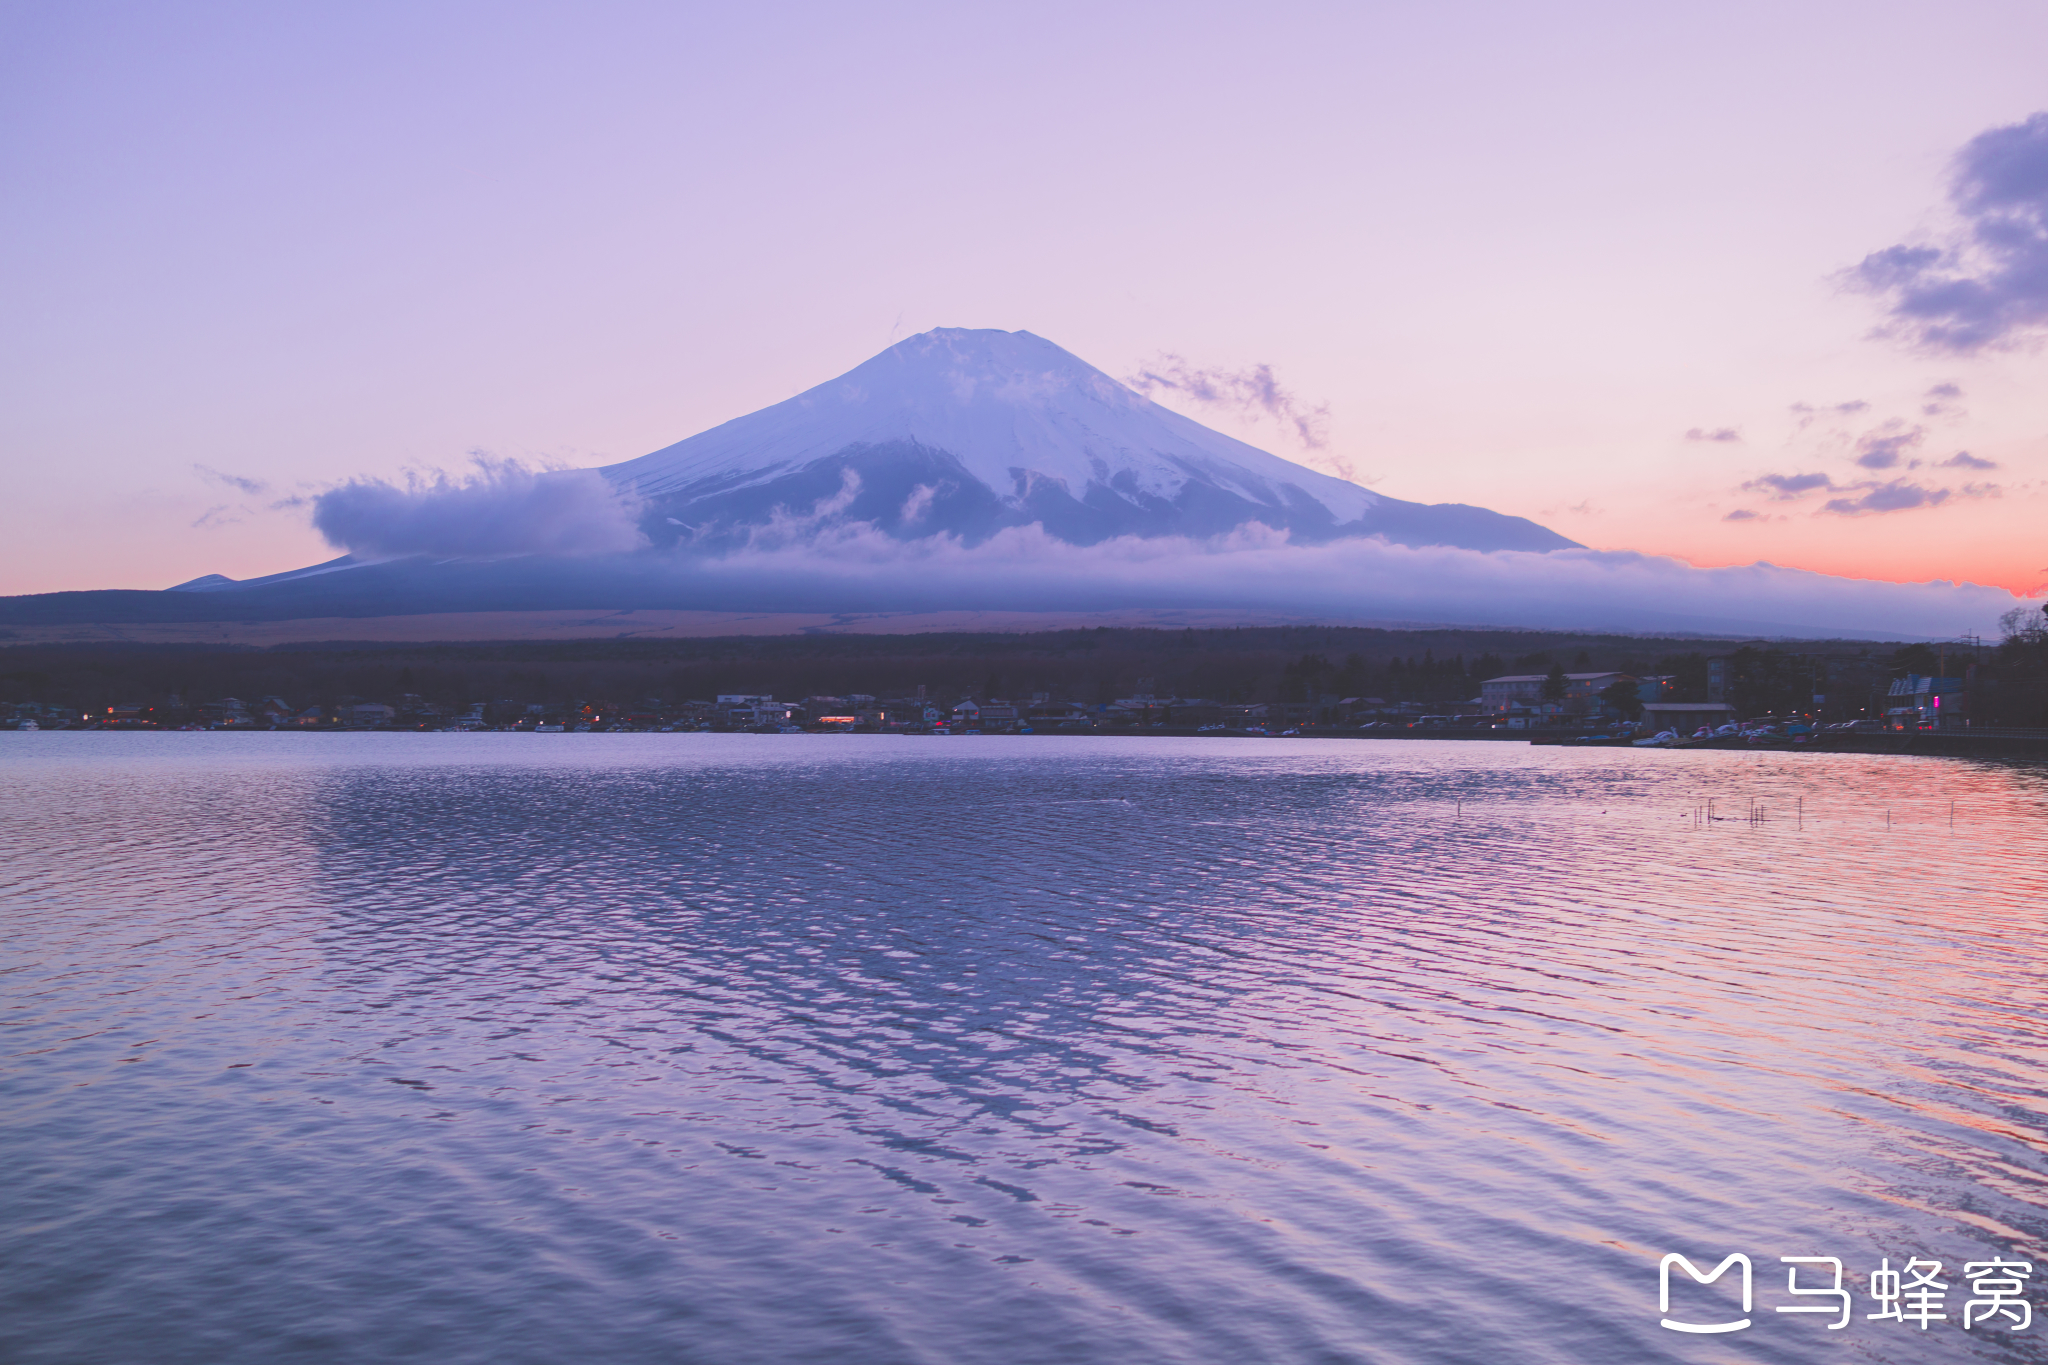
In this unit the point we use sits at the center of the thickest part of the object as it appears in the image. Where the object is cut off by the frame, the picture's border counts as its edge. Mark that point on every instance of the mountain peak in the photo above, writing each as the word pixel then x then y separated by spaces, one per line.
pixel 967 430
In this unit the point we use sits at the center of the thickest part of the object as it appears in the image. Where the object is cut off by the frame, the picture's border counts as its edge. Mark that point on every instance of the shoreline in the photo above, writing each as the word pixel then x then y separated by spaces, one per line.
pixel 1952 744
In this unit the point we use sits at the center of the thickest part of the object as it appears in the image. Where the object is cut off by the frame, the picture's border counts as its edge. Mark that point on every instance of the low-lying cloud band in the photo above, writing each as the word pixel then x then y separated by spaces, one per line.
pixel 1024 569
pixel 820 561
pixel 499 508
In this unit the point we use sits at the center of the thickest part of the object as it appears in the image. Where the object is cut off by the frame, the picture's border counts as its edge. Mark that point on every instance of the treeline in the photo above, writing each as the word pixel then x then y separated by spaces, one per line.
pixel 1441 667
pixel 2013 684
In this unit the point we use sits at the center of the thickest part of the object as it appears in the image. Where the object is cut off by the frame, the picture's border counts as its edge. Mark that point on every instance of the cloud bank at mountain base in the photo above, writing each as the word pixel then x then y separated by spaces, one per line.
pixel 501 507
pixel 1025 569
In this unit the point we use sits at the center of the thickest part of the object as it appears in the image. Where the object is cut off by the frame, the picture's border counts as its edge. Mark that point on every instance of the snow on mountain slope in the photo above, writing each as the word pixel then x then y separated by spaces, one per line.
pixel 1000 402
pixel 968 431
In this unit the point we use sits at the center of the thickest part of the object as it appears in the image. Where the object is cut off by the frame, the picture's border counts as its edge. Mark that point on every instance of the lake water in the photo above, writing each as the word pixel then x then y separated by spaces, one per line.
pixel 1041 1051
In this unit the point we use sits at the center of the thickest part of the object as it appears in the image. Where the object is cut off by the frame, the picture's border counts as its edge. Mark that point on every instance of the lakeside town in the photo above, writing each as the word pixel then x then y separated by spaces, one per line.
pixel 1555 705
pixel 1247 681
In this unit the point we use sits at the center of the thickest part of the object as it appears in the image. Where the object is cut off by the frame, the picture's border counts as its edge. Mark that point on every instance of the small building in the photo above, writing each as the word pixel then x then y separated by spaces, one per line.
pixel 1524 692
pixel 226 711
pixel 1656 687
pixel 1915 701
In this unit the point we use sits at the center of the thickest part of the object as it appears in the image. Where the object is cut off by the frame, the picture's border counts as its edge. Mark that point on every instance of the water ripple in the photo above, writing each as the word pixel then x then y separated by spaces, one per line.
pixel 788 1049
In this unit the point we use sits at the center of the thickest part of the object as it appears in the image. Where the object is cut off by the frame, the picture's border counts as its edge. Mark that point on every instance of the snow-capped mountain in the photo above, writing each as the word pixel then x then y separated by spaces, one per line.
pixel 912 486
pixel 939 443
pixel 968 431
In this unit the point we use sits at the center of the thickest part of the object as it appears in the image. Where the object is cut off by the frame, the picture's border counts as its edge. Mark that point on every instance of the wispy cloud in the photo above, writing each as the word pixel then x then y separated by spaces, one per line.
pixel 1963 459
pixel 1987 284
pixel 254 488
pixel 1807 413
pixel 1863 497
pixel 227 513
pixel 500 507
pixel 1784 487
pixel 1887 445
pixel 1940 401
pixel 1894 495
pixel 1717 434
pixel 1253 393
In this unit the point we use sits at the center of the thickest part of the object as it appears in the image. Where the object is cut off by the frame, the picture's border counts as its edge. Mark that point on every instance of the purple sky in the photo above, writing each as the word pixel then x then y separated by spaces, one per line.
pixel 1517 253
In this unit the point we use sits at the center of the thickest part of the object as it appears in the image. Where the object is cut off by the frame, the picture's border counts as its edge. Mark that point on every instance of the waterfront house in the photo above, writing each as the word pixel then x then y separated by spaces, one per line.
pixel 226 711
pixel 1916 700
pixel 1523 693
